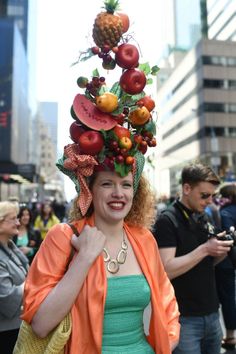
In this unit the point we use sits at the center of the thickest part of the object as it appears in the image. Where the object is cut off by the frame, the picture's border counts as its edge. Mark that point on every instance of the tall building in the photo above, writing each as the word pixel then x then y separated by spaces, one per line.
pixel 18 11
pixel 14 108
pixel 49 113
pixel 181 28
pixel 221 19
pixel 196 102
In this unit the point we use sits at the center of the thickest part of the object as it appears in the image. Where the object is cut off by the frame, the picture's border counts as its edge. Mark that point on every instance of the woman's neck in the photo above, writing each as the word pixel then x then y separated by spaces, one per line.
pixel 4 239
pixel 22 229
pixel 110 230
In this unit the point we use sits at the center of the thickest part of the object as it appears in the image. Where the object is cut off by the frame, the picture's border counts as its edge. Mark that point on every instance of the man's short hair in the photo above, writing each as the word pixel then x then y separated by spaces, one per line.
pixel 195 173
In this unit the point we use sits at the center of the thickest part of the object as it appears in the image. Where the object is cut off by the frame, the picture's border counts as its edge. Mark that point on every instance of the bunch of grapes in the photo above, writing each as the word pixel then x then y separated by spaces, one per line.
pixel 92 87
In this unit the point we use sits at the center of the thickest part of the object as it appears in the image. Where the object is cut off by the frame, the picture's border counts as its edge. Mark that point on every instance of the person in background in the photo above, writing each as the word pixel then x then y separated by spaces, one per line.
pixel 46 219
pixel 28 240
pixel 213 212
pixel 225 272
pixel 13 270
pixel 189 257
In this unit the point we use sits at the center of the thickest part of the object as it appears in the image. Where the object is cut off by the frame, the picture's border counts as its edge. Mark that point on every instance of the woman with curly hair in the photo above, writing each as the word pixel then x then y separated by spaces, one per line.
pixel 115 273
pixel 116 270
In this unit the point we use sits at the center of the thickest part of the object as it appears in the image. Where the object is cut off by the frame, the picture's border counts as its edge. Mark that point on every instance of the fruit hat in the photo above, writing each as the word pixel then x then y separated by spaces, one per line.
pixel 113 127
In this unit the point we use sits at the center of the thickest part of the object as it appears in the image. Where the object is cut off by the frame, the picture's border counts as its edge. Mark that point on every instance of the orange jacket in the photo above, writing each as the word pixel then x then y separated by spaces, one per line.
pixel 48 268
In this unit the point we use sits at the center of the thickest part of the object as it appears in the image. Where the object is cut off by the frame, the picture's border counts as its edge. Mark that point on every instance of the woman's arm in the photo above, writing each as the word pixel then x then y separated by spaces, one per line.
pixel 62 296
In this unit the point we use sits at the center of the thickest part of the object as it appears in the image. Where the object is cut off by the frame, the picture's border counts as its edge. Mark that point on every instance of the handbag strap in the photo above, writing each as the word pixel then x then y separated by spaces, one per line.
pixel 76 233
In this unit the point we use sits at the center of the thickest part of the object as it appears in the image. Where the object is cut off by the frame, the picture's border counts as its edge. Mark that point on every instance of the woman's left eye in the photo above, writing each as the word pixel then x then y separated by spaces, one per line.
pixel 127 185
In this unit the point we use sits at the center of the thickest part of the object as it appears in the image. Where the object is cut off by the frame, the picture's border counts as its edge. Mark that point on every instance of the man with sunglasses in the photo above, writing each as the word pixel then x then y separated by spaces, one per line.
pixel 189 256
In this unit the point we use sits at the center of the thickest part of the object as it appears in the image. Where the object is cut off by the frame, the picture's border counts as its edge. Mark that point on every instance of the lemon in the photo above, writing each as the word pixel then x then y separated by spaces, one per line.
pixel 107 102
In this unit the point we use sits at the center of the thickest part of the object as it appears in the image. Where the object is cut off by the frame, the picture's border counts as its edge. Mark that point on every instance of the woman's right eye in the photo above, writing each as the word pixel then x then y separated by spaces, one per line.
pixel 106 184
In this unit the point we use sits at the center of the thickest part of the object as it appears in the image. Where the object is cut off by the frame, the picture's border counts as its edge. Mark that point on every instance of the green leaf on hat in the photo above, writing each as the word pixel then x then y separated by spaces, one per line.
pixel 101 156
pixel 149 81
pixel 154 70
pixel 96 73
pixel 122 169
pixel 118 110
pixel 145 67
pixel 133 108
pixel 116 89
pixel 150 127
pixel 102 89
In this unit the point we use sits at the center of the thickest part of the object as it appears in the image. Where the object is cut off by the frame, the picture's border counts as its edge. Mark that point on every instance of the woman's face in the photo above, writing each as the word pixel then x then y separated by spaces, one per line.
pixel 112 196
pixel 25 217
pixel 9 225
pixel 47 209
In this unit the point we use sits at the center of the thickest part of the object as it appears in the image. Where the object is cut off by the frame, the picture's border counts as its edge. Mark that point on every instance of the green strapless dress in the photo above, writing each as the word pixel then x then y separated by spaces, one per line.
pixel 123 331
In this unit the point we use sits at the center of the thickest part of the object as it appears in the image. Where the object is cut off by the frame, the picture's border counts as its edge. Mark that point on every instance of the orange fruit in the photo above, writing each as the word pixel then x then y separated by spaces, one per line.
pixel 139 116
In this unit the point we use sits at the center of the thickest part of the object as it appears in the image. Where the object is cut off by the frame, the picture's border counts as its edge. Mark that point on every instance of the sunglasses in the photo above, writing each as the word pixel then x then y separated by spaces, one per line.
pixel 207 195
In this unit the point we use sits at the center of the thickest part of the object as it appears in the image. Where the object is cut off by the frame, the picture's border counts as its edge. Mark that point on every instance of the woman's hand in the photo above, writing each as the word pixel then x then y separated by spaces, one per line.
pixel 90 242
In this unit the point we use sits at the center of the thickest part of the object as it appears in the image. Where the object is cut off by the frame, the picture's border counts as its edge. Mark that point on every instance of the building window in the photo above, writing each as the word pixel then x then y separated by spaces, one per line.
pixel 15 10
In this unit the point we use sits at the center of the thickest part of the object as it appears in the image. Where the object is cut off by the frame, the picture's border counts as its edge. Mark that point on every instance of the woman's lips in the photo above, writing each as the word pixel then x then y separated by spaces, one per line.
pixel 116 205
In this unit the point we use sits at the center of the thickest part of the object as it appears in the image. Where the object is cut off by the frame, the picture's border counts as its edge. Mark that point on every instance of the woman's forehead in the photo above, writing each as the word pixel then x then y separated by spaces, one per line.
pixel 113 176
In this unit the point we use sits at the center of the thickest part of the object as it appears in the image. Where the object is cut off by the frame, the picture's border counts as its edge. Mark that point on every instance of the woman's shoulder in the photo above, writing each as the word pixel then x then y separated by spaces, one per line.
pixel 141 232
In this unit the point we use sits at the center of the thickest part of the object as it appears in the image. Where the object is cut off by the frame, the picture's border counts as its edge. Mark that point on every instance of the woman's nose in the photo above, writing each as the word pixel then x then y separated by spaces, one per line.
pixel 117 192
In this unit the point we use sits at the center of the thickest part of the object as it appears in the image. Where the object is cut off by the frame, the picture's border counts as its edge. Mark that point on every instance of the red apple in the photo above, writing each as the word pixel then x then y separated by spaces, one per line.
pixel 127 56
pixel 120 131
pixel 125 21
pixel 147 102
pixel 91 142
pixel 133 81
pixel 125 143
pixel 75 131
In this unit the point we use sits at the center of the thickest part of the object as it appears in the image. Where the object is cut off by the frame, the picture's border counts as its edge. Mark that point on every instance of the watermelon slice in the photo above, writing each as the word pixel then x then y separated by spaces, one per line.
pixel 90 115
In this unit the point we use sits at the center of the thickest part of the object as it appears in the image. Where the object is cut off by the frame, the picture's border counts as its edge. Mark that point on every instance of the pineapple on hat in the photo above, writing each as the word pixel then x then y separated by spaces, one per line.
pixel 108 28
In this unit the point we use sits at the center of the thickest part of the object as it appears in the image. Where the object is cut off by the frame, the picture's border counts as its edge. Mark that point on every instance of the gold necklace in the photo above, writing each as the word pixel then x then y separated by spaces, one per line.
pixel 113 264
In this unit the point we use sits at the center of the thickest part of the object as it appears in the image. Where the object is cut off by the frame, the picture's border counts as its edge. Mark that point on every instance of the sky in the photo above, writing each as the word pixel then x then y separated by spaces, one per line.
pixel 63 30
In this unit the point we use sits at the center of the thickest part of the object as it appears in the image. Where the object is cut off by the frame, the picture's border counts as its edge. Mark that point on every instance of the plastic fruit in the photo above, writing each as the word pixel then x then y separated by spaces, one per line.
pixel 125 143
pixel 129 160
pixel 82 82
pixel 90 115
pixel 125 21
pixel 109 65
pixel 133 81
pixel 120 118
pixel 107 102
pixel 148 102
pixel 108 28
pixel 127 56
pixel 119 159
pixel 75 131
pixel 138 138
pixel 140 116
pixel 91 142
pixel 120 131
pixel 143 147
pixel 95 50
